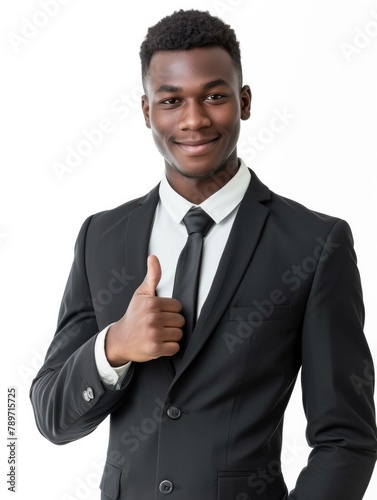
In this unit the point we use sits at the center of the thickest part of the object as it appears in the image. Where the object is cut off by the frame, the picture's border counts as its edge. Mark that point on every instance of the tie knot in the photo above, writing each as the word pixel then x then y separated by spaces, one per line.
pixel 197 221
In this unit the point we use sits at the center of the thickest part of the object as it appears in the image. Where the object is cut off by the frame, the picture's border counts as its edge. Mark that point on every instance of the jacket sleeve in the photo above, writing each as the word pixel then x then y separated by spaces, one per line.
pixel 68 396
pixel 337 379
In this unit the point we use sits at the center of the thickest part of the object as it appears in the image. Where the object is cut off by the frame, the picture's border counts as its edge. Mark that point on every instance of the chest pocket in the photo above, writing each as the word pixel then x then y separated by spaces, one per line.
pixel 258 315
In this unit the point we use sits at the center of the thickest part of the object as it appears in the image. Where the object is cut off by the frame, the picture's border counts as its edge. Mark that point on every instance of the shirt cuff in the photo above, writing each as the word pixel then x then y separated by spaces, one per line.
pixel 110 376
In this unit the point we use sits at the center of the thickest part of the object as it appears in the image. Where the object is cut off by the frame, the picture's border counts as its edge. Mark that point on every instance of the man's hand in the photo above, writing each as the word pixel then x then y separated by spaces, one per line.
pixel 151 326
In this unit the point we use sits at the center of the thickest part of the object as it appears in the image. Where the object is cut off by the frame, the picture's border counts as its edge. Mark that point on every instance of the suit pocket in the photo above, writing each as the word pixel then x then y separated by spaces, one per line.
pixel 251 485
pixel 110 482
pixel 269 312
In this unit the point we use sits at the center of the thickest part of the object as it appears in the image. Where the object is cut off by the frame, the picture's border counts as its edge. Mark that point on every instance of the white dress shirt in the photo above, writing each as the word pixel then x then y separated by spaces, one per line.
pixel 167 240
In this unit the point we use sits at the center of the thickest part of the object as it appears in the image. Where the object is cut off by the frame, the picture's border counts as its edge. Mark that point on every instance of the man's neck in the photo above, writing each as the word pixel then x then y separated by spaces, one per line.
pixel 197 190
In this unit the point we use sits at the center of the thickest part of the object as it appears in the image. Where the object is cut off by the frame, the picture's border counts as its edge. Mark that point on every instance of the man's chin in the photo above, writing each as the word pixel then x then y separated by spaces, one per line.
pixel 196 173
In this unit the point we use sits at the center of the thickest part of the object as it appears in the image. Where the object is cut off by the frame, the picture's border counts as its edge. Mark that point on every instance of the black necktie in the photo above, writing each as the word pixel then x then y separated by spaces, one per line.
pixel 186 282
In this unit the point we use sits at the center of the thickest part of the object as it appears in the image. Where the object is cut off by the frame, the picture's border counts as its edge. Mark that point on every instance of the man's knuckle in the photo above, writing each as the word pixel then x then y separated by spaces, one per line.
pixel 149 305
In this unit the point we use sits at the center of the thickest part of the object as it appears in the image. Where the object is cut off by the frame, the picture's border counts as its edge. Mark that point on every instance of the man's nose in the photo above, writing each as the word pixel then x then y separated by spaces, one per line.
pixel 194 116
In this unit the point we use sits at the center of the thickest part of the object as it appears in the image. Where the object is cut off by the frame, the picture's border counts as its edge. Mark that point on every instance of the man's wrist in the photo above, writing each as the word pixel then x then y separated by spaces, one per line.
pixel 114 359
pixel 110 375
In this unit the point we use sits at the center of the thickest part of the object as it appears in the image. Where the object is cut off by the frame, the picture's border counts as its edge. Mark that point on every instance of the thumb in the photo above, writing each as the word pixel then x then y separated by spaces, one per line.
pixel 152 279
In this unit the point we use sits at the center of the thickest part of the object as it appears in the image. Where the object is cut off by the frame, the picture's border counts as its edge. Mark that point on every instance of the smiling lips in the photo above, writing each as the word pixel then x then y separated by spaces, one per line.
pixel 197 147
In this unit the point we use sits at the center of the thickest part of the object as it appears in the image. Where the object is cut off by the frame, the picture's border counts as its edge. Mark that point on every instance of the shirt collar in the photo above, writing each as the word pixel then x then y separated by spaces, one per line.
pixel 218 206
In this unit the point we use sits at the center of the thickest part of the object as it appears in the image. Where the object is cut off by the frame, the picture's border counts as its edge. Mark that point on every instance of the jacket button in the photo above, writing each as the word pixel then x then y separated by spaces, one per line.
pixel 174 412
pixel 166 487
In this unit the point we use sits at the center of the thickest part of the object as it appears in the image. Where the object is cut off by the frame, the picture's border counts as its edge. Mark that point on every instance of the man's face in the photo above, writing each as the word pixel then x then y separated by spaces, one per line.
pixel 193 107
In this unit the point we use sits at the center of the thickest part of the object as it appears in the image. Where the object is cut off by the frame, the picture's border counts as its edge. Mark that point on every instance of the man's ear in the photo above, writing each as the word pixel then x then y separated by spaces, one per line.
pixel 145 108
pixel 245 102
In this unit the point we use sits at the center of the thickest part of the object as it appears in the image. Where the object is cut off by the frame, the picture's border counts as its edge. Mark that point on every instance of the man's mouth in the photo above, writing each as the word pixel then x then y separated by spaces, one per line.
pixel 197 147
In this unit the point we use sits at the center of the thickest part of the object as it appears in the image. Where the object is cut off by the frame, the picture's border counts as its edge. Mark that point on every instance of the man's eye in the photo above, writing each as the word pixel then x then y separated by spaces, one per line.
pixel 170 101
pixel 215 97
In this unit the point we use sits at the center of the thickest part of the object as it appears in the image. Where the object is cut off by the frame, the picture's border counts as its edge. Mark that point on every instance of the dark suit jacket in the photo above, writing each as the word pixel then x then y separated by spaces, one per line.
pixel 286 294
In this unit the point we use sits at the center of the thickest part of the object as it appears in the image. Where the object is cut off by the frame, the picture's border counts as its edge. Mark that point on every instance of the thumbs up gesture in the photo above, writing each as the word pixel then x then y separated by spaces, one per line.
pixel 152 279
pixel 150 328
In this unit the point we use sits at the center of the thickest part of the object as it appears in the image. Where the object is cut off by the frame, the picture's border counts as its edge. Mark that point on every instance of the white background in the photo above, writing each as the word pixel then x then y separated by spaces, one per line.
pixel 72 73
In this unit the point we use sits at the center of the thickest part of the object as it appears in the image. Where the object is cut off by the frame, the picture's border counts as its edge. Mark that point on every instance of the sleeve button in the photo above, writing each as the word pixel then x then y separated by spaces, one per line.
pixel 88 394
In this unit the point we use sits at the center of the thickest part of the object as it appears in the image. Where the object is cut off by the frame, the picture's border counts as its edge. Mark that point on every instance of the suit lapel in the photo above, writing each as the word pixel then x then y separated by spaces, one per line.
pixel 138 231
pixel 241 244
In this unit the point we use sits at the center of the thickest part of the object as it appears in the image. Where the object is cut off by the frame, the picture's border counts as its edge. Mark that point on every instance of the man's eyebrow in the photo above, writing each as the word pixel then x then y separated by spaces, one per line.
pixel 166 88
pixel 215 83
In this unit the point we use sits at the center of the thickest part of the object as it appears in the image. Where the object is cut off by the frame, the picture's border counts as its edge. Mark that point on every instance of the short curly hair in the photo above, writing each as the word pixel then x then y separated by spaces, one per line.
pixel 189 29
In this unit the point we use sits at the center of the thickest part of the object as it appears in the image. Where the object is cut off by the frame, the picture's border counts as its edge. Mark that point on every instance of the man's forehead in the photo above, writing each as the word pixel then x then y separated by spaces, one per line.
pixel 205 64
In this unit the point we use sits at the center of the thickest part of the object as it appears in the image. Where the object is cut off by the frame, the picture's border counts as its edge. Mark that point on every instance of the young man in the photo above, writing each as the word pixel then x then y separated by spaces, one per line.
pixel 196 373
